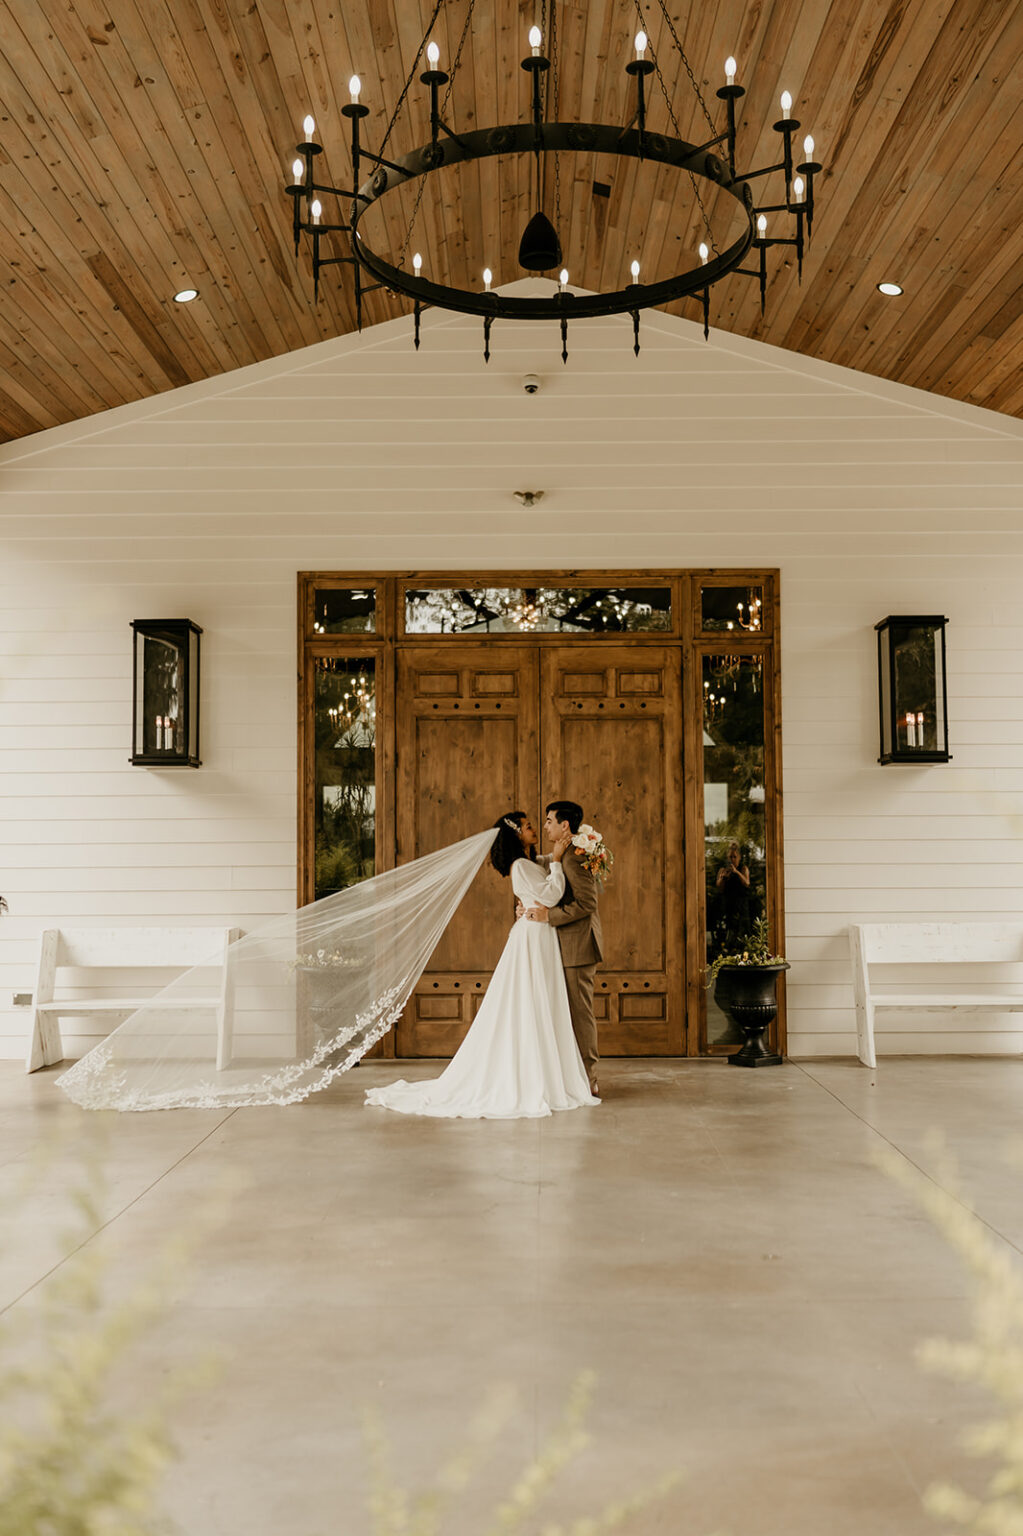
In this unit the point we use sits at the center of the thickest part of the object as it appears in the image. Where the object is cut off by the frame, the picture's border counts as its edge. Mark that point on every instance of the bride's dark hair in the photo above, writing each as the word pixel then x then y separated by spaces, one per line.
pixel 507 845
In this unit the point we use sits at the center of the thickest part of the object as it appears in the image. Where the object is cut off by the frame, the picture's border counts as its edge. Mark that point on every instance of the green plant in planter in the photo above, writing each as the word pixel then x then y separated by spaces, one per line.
pixel 756 953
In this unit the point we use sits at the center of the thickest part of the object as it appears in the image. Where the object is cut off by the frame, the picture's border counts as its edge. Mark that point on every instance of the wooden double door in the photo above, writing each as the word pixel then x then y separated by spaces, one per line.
pixel 483 730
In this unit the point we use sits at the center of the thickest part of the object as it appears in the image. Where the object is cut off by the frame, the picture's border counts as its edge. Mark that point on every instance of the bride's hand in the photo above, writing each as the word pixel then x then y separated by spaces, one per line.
pixel 562 846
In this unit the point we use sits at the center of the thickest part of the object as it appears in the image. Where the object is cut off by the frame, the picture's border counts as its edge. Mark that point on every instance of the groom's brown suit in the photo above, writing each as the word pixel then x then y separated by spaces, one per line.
pixel 577 922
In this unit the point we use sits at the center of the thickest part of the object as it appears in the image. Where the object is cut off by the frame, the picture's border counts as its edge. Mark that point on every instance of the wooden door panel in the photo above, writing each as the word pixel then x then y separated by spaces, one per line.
pixel 466 753
pixel 611 733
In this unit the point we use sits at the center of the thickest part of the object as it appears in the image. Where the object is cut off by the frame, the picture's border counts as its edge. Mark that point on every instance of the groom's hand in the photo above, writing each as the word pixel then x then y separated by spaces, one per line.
pixel 519 909
pixel 537 914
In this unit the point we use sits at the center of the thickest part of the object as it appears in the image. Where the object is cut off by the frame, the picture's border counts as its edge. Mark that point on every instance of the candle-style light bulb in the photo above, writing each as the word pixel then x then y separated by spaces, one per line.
pixel 635 271
pixel 488 278
pixel 762 225
pixel 704 252
pixel 417 263
pixel 535 39
pixel 433 54
pixel 354 87
pixel 563 278
pixel 641 42
pixel 786 104
pixel 808 146
pixel 798 187
pixel 308 126
pixel 730 68
pixel 316 208
pixel 297 169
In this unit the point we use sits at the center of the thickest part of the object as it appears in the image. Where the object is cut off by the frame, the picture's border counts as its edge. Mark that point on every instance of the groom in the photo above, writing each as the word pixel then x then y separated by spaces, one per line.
pixel 578 925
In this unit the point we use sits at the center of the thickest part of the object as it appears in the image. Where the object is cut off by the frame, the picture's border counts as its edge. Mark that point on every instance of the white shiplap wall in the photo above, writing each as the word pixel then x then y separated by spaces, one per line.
pixel 871 498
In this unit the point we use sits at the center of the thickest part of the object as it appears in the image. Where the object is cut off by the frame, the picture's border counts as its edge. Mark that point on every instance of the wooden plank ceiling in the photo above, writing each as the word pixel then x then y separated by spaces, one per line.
pixel 145 144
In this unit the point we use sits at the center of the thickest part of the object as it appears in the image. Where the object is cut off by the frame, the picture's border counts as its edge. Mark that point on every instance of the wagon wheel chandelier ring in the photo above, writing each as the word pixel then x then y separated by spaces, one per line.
pixel 712 162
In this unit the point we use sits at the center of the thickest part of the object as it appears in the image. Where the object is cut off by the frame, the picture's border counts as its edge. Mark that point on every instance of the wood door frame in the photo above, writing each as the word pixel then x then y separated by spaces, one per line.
pixel 686 633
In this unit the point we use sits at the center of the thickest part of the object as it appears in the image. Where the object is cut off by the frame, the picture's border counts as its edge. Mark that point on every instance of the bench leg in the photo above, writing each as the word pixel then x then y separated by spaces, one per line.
pixel 865 1032
pixel 46 1047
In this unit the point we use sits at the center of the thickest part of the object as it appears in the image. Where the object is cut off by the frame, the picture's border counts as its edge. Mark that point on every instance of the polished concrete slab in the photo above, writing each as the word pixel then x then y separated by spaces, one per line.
pixel 718 1246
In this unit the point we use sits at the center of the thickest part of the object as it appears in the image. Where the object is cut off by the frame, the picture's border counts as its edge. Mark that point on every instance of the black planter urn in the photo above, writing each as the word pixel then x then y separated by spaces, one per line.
pixel 746 993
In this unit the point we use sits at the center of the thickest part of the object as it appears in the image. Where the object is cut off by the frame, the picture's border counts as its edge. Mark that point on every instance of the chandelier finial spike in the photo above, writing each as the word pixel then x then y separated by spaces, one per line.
pixel 487 323
pixel 564 340
pixel 635 332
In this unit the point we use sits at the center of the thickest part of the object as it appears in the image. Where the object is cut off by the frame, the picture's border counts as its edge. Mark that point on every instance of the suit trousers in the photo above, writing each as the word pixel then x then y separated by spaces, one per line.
pixel 579 981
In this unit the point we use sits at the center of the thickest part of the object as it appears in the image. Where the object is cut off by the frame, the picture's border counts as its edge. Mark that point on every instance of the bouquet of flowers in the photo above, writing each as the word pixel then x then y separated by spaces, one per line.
pixel 593 853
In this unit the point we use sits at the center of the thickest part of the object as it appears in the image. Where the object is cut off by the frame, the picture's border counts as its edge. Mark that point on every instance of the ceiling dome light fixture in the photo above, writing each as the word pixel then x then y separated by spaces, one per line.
pixel 186 295
pixel 891 290
pixel 711 164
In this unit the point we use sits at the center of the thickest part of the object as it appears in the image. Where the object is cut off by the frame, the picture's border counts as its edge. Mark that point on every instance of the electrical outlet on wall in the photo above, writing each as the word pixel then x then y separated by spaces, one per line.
pixel 22 999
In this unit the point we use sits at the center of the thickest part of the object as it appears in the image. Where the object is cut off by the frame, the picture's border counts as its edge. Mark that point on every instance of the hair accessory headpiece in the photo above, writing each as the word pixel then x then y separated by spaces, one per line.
pixel 509 823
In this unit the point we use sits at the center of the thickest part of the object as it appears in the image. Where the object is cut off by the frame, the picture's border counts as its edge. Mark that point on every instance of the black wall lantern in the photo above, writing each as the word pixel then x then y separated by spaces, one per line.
pixel 165 721
pixel 912 694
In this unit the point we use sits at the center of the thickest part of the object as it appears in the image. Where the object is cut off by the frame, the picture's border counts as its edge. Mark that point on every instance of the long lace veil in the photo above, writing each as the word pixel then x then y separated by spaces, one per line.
pixel 288 1007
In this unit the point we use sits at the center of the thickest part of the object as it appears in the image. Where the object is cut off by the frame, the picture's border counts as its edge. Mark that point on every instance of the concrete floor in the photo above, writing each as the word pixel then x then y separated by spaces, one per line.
pixel 716 1244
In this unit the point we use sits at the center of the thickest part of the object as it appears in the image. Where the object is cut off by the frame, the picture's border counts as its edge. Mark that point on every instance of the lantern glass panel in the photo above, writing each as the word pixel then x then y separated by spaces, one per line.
pixel 738 608
pixel 160 694
pixel 919 688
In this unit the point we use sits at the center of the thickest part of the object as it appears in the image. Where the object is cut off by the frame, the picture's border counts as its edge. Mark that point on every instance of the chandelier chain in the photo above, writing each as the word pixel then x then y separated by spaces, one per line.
pixel 554 81
pixel 688 68
pixel 444 106
pixel 674 120
pixel 411 76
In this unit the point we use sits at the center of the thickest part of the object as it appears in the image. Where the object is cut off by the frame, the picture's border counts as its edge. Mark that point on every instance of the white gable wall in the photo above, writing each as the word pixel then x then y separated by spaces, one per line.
pixel 204 503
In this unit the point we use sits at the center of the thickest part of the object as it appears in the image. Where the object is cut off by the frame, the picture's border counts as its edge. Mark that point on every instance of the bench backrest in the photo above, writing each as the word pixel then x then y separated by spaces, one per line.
pixel 938 943
pixel 135 947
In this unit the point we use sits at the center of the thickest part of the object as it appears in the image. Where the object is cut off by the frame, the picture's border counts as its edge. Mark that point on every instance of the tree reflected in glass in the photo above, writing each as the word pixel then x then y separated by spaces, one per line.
pixel 734 813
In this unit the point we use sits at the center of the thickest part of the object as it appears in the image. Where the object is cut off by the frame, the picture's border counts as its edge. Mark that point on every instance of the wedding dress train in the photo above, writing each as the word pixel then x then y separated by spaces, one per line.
pixel 520 1058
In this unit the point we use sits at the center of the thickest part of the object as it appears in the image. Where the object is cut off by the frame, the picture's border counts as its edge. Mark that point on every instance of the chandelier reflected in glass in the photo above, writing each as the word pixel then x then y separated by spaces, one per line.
pixel 710 165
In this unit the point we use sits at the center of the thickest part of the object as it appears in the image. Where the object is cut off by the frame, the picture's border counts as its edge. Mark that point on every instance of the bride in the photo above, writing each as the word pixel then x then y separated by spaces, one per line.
pixel 520 1057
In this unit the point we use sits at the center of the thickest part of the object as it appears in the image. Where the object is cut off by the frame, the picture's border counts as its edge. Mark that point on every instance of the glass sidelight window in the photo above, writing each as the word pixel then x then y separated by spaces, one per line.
pixel 734 810
pixel 344 727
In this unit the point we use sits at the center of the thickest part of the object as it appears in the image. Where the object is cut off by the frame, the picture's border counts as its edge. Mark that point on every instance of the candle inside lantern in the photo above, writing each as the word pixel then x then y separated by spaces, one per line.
pixel 730 68
pixel 910 728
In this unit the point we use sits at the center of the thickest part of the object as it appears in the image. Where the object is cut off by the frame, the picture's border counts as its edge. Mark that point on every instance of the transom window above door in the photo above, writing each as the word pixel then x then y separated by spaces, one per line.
pixel 491 610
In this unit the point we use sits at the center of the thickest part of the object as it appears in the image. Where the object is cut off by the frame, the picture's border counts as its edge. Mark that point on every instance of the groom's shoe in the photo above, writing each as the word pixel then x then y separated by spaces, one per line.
pixel 594 1089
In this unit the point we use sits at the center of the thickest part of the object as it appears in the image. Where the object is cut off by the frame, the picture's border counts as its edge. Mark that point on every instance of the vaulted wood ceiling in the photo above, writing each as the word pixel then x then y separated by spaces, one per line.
pixel 144 145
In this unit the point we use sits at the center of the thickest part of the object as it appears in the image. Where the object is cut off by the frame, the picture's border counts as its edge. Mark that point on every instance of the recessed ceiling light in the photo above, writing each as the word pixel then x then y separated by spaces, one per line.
pixel 891 290
pixel 188 294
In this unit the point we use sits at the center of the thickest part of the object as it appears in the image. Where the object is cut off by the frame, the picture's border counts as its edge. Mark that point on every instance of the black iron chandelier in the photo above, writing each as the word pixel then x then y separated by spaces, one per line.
pixel 712 162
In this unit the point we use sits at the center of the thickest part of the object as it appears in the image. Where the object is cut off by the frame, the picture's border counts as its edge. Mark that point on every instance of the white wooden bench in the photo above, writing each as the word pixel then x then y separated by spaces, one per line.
pixel 929 944
pixel 83 949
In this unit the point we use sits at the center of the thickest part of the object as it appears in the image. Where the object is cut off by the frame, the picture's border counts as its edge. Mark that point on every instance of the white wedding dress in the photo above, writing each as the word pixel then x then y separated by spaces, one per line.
pixel 520 1058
